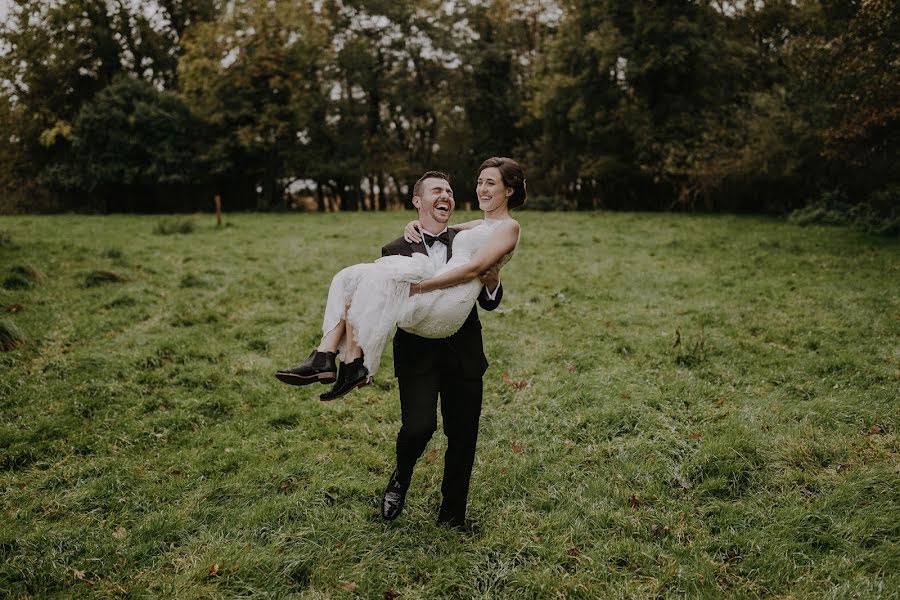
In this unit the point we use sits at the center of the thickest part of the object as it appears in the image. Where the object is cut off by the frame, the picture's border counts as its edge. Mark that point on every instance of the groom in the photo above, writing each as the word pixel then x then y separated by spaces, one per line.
pixel 451 368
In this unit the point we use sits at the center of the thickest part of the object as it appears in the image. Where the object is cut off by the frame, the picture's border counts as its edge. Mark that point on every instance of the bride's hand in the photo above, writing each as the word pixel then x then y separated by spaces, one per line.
pixel 412 233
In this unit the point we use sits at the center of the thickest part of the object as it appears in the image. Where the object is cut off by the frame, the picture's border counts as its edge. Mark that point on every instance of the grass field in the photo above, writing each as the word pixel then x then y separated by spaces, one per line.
pixel 692 406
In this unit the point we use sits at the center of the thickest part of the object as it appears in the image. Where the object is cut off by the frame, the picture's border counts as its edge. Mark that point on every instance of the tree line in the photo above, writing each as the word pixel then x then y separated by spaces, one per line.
pixel 764 106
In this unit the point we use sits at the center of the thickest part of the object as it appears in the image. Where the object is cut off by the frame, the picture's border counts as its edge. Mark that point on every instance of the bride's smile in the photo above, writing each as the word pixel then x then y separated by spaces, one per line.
pixel 492 194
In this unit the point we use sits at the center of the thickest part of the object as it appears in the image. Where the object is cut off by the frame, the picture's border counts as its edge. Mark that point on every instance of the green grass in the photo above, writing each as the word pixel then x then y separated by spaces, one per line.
pixel 711 410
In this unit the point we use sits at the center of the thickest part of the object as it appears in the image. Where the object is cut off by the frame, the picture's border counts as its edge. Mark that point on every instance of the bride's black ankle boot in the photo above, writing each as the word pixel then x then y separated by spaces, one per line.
pixel 320 366
pixel 351 375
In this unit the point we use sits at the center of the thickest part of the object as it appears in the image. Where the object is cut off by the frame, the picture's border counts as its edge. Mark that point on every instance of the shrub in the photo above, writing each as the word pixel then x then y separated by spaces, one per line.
pixel 11 337
pixel 879 214
pixel 549 203
pixel 172 226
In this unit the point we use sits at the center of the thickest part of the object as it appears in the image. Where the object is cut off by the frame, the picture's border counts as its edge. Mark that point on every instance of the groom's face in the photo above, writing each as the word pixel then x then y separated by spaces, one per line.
pixel 435 203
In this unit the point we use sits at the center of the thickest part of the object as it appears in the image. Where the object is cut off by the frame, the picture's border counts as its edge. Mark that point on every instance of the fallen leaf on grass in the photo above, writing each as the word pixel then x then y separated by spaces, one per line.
pixel 349 586
pixel 119 533
pixel 573 552
pixel 517 447
pixel 569 444
pixel 14 308
pixel 517 384
pixel 390 594
pixel 504 470
pixel 78 574
pixel 694 436
pixel 214 570
pixel 429 458
pixel 876 429
pixel 633 502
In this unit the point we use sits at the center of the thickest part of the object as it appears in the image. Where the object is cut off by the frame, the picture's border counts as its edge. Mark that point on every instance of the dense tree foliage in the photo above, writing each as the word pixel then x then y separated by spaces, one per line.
pixel 722 105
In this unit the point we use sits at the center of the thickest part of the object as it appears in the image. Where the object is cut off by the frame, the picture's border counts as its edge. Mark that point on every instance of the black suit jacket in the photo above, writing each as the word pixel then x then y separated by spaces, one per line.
pixel 462 353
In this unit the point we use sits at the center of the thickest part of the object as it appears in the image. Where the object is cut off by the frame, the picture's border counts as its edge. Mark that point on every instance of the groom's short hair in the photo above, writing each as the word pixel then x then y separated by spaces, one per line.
pixel 417 189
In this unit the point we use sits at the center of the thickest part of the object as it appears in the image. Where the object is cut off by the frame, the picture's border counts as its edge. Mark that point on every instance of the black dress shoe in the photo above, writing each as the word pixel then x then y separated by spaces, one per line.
pixel 393 498
pixel 350 376
pixel 320 366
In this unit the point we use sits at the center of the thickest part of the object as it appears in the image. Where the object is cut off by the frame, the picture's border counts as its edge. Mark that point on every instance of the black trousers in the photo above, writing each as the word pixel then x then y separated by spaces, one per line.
pixel 461 411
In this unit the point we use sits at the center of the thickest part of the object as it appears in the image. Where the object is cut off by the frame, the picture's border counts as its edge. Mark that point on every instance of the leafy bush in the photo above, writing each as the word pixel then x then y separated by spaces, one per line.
pixel 880 214
pixel 550 203
pixel 11 337
pixel 172 226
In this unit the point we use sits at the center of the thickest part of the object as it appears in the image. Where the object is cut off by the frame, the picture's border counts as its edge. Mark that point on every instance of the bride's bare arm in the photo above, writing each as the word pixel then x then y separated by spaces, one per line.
pixel 467 224
pixel 501 243
pixel 412 234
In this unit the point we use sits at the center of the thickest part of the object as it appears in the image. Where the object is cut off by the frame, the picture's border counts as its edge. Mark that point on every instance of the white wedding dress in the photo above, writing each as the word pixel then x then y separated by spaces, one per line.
pixel 378 296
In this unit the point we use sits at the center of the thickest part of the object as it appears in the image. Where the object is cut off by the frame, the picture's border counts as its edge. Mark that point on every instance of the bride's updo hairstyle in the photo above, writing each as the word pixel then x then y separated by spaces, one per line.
pixel 513 177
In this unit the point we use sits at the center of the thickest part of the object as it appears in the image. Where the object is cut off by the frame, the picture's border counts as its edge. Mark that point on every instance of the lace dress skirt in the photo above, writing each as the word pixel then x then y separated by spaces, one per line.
pixel 377 295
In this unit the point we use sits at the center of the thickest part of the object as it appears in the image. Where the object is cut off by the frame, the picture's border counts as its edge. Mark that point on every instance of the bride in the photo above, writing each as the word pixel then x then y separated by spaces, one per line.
pixel 367 302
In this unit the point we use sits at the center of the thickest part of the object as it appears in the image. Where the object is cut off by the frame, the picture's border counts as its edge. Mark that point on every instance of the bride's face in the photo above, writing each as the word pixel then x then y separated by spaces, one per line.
pixel 491 192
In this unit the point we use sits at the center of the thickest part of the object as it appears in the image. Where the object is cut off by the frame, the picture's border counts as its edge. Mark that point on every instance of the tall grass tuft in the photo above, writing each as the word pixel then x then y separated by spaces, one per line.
pixel 22 277
pixel 11 337
pixel 5 238
pixel 99 277
pixel 173 226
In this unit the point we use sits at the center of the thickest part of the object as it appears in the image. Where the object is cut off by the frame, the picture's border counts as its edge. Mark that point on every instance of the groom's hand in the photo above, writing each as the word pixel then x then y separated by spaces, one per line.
pixel 491 278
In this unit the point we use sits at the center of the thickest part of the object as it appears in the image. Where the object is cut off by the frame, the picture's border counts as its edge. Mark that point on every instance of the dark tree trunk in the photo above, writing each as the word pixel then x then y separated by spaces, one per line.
pixel 320 197
pixel 382 202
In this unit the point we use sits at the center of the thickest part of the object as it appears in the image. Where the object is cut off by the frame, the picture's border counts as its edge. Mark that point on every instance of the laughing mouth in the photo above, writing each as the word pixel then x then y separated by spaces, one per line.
pixel 444 208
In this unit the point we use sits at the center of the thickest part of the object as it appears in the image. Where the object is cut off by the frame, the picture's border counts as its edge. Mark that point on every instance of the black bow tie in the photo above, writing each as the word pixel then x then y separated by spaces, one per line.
pixel 444 238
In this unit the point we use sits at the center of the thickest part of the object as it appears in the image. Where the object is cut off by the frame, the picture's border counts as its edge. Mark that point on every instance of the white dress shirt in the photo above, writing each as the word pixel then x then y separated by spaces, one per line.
pixel 436 251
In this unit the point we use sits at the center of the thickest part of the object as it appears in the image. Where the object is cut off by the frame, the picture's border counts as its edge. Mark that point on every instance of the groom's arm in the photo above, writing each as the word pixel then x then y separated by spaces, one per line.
pixel 492 292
